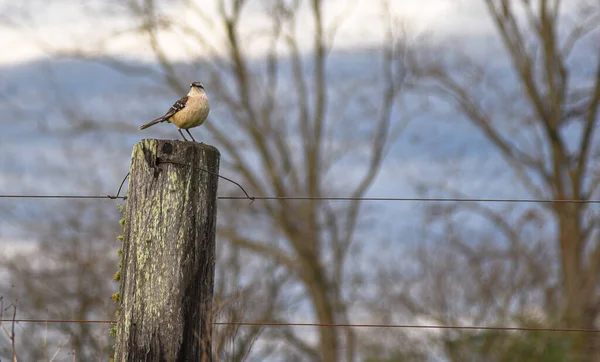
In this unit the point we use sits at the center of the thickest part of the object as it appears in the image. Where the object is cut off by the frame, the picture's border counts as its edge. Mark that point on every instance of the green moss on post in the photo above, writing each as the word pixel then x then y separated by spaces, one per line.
pixel 167 274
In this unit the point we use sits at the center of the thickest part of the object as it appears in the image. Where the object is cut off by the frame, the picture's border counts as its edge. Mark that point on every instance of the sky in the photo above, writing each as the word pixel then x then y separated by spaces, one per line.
pixel 420 153
pixel 422 150
pixel 69 23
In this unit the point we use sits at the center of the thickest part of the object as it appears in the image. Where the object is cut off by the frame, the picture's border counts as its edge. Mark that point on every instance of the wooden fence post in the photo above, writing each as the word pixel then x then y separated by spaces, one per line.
pixel 168 260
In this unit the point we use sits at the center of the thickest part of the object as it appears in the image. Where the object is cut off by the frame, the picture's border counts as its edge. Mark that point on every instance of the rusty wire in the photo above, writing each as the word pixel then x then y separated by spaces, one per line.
pixel 247 196
pixel 333 325
pixel 328 198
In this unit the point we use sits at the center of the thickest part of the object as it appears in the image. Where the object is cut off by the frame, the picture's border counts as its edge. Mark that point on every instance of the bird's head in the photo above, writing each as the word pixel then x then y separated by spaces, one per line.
pixel 197 85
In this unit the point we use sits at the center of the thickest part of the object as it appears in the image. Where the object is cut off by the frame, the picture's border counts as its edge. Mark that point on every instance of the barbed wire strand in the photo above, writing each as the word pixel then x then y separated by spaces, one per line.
pixel 328 198
pixel 333 325
pixel 417 199
pixel 14 196
pixel 305 198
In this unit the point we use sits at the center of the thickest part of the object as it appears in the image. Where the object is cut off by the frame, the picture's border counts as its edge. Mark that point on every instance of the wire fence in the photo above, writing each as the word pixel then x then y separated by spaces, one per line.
pixel 319 198
pixel 332 325
pixel 329 198
pixel 252 198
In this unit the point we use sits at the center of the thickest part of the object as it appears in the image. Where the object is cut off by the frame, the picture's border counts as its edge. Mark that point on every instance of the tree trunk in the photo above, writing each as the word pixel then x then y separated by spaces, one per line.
pixel 579 311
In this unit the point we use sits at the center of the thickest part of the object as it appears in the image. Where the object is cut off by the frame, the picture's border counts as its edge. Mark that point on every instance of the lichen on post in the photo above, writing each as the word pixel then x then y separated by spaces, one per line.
pixel 167 274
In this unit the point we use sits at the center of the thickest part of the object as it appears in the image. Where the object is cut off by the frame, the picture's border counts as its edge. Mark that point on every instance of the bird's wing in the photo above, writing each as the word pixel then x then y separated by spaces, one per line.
pixel 178 106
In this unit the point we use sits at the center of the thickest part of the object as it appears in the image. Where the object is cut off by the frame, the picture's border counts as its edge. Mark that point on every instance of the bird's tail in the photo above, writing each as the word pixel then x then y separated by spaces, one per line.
pixel 153 122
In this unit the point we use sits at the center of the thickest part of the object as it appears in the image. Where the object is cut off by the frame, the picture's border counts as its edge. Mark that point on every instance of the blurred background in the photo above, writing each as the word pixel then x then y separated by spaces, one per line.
pixel 461 99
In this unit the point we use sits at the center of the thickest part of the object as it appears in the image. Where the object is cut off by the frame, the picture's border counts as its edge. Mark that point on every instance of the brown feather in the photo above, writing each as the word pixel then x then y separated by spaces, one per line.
pixel 178 106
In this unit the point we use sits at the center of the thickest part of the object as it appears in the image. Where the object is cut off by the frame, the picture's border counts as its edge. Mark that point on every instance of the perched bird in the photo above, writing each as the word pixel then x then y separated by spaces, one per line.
pixel 188 112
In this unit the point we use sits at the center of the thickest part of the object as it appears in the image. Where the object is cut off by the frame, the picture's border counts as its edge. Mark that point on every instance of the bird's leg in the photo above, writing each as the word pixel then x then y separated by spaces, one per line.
pixel 181 133
pixel 188 132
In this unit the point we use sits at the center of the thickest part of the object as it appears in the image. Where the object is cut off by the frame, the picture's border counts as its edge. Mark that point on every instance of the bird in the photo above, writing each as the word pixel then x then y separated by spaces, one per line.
pixel 188 112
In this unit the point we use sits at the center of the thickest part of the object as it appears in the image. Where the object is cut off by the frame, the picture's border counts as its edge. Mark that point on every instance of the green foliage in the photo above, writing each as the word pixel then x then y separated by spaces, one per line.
pixel 396 356
pixel 116 297
pixel 396 348
pixel 503 346
pixel 538 346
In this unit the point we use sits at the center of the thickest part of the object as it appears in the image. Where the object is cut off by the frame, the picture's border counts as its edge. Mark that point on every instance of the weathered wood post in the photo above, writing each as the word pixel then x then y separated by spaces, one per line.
pixel 168 260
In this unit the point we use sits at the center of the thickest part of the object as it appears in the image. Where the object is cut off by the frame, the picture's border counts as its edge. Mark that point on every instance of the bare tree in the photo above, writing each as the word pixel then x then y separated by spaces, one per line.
pixel 67 277
pixel 285 124
pixel 283 136
pixel 540 114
